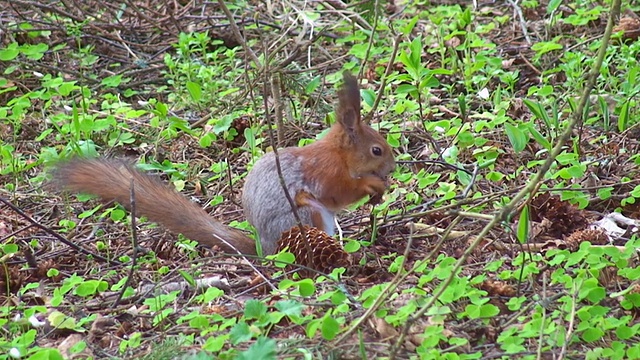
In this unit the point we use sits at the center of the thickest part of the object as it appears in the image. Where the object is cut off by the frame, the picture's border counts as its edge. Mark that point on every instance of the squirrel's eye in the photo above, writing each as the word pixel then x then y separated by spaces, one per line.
pixel 376 150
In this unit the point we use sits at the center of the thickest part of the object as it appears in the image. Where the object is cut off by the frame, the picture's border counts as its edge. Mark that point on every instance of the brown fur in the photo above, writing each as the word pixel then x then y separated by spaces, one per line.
pixel 111 180
pixel 342 161
pixel 305 199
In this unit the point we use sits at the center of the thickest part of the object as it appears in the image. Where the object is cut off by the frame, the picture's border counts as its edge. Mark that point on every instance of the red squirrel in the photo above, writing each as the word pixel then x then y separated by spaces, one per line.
pixel 351 161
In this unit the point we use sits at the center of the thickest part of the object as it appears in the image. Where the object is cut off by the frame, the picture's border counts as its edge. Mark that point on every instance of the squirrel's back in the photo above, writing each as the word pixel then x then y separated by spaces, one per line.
pixel 265 204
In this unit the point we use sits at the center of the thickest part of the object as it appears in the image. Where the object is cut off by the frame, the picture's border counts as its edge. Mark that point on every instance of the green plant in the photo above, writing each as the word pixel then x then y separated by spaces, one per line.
pixel 453 88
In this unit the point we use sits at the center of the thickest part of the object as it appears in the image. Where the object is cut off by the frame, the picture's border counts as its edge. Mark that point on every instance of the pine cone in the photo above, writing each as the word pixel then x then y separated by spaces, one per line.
pixel 565 218
pixel 326 253
pixel 594 236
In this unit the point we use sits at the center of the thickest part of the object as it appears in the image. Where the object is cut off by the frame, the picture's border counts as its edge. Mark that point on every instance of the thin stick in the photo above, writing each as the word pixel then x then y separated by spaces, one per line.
pixel 523 23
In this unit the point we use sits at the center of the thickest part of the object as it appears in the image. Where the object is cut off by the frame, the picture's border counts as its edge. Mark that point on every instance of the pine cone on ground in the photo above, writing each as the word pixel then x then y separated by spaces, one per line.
pixel 326 253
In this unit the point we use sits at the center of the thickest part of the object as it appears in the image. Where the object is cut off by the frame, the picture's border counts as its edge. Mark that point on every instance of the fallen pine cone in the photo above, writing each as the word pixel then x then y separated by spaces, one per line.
pixel 326 253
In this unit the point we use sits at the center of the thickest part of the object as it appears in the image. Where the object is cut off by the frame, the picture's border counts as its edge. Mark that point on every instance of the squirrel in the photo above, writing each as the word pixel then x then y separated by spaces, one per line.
pixel 351 161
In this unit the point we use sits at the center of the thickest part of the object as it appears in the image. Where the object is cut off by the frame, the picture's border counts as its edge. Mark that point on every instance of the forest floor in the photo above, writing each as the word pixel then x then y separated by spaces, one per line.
pixel 120 53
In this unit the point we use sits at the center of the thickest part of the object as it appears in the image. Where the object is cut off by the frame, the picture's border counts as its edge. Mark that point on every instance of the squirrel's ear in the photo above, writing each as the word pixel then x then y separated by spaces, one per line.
pixel 348 112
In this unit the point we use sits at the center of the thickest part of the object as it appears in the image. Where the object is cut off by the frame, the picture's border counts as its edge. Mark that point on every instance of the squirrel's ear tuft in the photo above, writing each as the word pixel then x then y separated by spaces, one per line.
pixel 348 112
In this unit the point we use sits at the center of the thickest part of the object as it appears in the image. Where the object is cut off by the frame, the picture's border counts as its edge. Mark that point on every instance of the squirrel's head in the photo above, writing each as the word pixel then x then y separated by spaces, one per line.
pixel 365 150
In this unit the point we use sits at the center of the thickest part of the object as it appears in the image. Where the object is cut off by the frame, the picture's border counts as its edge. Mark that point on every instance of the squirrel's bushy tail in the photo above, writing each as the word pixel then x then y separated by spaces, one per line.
pixel 111 179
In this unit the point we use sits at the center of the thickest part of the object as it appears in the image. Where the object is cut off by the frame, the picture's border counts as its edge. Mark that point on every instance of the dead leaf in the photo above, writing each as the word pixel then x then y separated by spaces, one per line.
pixel 383 328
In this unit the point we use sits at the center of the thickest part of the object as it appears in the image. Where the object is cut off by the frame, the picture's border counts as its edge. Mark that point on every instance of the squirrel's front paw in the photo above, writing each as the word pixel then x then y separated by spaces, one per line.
pixel 375 186
pixel 375 199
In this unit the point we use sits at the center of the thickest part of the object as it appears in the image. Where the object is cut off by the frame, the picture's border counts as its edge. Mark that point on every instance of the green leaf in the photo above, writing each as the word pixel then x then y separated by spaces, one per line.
pixel 604 193
pixel 415 52
pixel 46 354
pixel 312 85
pixel 211 294
pixel 462 104
pixel 250 138
pixel 195 90
pixel 411 59
pixel 187 277
pixel 199 322
pixel 254 309
pixel 207 139
pixel 330 328
pixel 352 246
pixel 263 349
pixel 494 175
pixel 567 158
pixel 544 47
pixel 408 28
pixel 368 96
pixel 66 88
pixel 592 291
pixel 215 343
pixel 338 298
pixel 623 119
pixel 10 249
pixel 87 288
pixel 112 81
pixel 596 294
pixel 538 111
pixel 393 140
pixel 90 212
pixel 488 311
pixel 25 339
pixel 553 6
pixel 429 81
pixel 240 333
pixel 306 287
pixel 592 334
pixel 312 327
pixel 576 171
pixel 427 180
pixel 61 321
pixel 290 307
pixel 472 311
pixel 538 137
pixel 517 137
pixel 35 52
pixel 10 52
pixel 161 108
pixel 43 135
pixel 78 347
pixel 222 124
pixel 523 225
pixel 53 272
pixel 117 214
pixel 606 116
pixel 624 332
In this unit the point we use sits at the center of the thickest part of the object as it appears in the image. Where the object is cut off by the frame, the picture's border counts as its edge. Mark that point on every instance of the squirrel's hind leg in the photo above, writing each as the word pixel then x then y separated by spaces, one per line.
pixel 321 217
